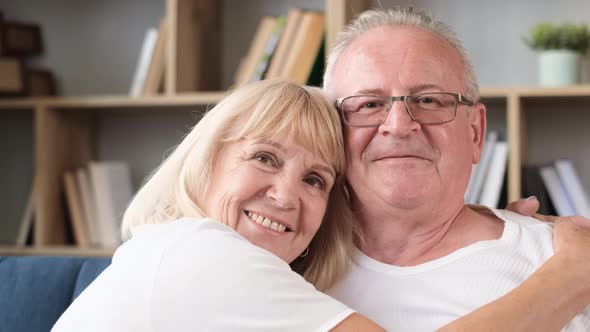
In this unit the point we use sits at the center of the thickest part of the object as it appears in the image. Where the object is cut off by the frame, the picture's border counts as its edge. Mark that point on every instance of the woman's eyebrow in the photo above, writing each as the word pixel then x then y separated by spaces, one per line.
pixel 324 168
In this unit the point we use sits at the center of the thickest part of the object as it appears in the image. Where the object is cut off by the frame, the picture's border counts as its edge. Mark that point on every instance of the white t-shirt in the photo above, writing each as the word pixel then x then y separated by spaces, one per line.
pixel 427 296
pixel 199 275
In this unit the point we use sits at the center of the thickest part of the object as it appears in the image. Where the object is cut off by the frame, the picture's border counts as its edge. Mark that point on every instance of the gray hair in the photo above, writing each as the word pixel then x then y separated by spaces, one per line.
pixel 395 17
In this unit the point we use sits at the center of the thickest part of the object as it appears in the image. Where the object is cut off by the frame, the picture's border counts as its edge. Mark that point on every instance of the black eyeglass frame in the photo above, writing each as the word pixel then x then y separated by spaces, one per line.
pixel 459 99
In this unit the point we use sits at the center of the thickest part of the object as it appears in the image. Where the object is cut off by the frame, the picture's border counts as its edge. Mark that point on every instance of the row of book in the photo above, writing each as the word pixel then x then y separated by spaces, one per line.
pixel 97 196
pixel 489 175
pixel 558 187
pixel 290 46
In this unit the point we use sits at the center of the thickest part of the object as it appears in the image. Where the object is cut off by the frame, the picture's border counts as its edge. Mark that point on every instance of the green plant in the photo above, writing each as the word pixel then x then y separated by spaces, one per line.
pixel 569 36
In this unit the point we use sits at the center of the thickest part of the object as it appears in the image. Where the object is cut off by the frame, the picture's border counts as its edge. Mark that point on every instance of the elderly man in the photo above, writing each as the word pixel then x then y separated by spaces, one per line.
pixel 413 128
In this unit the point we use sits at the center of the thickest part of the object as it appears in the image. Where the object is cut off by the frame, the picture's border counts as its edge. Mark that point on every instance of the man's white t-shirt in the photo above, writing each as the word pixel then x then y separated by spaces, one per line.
pixel 199 275
pixel 427 296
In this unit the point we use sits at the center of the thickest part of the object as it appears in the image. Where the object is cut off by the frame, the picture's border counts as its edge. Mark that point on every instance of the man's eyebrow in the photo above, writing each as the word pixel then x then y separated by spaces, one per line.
pixel 414 89
pixel 422 87
pixel 376 92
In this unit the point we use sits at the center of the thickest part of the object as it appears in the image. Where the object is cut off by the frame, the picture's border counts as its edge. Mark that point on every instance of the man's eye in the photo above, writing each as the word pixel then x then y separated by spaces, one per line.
pixel 426 100
pixel 372 104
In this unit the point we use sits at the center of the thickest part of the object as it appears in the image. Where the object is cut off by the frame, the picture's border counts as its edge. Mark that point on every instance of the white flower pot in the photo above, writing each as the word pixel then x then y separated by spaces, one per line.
pixel 558 67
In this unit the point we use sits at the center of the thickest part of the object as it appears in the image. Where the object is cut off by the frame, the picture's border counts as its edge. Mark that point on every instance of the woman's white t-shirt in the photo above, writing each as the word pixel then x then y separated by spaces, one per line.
pixel 199 275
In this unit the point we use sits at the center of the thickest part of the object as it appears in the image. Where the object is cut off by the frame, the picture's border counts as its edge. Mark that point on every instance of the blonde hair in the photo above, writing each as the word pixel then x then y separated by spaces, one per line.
pixel 400 17
pixel 262 110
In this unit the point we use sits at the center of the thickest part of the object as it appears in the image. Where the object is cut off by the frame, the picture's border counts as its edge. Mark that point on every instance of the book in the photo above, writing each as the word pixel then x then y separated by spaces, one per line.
pixel 26 223
pixel 532 185
pixel 316 76
pixel 306 46
pixel 76 209
pixel 576 193
pixel 155 72
pixel 143 62
pixel 557 191
pixel 479 171
pixel 88 206
pixel 247 70
pixel 269 49
pixel 113 191
pixel 279 58
pixel 490 194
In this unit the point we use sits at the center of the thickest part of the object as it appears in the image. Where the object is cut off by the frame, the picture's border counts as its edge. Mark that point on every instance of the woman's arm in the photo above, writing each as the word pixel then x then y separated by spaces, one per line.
pixel 551 297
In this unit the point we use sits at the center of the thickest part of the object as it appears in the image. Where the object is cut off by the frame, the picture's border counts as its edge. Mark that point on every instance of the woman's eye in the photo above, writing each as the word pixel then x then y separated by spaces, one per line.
pixel 265 158
pixel 316 182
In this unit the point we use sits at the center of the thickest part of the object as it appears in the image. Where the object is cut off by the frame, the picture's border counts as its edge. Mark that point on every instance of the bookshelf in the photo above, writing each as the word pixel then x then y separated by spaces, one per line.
pixel 54 251
pixel 64 130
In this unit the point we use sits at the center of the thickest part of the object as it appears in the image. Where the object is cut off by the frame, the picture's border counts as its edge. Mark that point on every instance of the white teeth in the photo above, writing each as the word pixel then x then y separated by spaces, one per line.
pixel 263 221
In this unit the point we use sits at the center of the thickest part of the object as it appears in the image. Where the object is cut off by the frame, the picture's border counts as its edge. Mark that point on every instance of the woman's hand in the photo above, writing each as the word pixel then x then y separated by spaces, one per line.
pixel 571 239
pixel 525 206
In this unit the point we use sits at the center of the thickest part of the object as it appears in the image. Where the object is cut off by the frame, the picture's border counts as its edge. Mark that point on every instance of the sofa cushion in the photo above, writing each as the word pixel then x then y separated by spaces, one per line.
pixel 35 291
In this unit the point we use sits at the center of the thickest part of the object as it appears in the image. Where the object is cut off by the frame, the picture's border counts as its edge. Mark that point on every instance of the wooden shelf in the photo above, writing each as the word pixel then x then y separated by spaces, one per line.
pixel 213 97
pixel 567 91
pixel 94 102
pixel 18 104
pixel 536 91
pixel 495 92
pixel 55 251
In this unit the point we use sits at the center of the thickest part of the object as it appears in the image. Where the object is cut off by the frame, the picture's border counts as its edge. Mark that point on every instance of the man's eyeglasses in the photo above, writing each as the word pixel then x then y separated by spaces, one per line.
pixel 424 108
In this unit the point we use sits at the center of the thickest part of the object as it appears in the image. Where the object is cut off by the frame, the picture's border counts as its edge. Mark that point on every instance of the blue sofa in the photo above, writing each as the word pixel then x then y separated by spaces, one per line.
pixel 35 291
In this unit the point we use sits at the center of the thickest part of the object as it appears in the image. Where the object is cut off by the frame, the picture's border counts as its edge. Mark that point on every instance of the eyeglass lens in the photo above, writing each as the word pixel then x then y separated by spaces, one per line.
pixel 430 108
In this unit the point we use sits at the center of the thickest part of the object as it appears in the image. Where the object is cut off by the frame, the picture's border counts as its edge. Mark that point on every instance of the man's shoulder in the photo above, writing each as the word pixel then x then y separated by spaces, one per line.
pixel 522 221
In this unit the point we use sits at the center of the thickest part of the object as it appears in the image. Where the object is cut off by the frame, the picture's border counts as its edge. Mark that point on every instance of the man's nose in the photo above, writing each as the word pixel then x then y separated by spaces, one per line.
pixel 398 121
pixel 283 194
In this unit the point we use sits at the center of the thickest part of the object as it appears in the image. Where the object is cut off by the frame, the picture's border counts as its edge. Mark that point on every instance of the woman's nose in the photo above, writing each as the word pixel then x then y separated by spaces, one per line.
pixel 284 194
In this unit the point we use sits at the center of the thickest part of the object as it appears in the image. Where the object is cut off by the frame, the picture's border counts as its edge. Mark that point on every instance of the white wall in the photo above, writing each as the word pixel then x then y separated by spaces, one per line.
pixel 492 32
pixel 92 46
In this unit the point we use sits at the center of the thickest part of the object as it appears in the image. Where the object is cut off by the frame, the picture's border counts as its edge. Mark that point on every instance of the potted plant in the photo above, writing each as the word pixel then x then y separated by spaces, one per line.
pixel 560 48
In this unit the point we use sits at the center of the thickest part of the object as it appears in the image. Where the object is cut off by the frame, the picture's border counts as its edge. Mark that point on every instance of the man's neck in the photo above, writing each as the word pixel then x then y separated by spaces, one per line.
pixel 412 237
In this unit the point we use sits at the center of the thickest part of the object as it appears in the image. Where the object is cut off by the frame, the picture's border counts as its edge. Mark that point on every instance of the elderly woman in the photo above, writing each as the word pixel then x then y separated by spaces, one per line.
pixel 252 194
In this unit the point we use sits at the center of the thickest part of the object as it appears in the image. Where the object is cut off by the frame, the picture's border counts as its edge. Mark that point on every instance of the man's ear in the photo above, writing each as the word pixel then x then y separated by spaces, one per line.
pixel 477 126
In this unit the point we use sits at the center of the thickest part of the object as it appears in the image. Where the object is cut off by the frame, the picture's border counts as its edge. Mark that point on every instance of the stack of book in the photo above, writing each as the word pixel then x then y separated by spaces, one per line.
pixel 565 189
pixel 97 196
pixel 288 47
